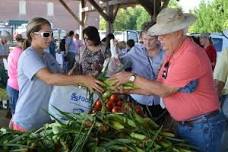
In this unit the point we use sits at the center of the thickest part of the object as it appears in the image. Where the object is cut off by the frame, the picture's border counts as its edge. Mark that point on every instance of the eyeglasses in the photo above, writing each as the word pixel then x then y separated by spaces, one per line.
pixel 44 34
pixel 86 38
pixel 165 71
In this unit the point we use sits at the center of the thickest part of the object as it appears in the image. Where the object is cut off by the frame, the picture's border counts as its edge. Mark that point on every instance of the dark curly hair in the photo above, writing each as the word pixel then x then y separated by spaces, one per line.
pixel 93 35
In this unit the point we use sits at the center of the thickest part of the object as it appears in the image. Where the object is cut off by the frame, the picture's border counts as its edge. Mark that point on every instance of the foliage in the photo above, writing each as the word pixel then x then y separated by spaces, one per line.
pixel 173 4
pixel 211 17
pixel 100 132
pixel 130 18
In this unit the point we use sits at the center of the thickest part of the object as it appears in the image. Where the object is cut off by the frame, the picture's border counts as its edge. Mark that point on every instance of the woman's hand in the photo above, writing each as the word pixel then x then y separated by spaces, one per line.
pixel 120 78
pixel 92 83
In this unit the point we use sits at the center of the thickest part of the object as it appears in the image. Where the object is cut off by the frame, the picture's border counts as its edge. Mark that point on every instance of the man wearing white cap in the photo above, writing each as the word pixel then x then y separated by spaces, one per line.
pixel 184 82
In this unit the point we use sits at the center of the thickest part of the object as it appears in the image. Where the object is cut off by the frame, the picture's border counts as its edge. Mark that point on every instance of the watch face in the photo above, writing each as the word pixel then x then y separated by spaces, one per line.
pixel 132 78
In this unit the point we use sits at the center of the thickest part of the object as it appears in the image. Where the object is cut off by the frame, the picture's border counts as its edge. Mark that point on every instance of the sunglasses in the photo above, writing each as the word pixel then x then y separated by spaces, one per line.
pixel 44 34
pixel 86 39
pixel 165 71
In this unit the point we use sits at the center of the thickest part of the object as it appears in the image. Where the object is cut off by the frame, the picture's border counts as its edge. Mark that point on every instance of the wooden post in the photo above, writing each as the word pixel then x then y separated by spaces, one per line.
pixel 109 10
pixel 153 7
pixel 82 17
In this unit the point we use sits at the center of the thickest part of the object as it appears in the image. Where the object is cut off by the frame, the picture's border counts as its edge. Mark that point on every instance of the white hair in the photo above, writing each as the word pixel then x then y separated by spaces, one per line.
pixel 185 30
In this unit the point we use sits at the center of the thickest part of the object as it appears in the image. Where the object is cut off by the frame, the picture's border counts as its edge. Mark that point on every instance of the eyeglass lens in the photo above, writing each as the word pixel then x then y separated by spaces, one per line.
pixel 165 71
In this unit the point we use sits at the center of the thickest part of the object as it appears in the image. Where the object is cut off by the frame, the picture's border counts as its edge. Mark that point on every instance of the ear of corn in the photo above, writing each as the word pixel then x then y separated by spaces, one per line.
pixel 97 132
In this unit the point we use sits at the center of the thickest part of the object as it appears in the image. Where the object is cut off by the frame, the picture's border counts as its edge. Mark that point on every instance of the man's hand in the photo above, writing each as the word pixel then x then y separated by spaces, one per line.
pixel 120 78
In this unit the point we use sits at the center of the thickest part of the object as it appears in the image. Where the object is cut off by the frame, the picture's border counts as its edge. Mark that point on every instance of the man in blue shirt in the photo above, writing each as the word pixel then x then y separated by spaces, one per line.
pixel 146 61
pixel 70 49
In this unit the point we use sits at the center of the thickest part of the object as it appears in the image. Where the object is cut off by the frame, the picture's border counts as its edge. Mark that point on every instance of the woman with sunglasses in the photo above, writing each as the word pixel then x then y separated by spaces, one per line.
pixel 37 73
pixel 93 56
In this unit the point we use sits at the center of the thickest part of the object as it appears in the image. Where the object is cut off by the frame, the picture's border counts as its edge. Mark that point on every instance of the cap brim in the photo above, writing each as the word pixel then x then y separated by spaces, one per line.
pixel 161 29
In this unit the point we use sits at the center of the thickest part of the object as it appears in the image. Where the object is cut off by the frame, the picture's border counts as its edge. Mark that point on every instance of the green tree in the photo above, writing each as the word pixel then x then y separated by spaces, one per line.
pixel 173 4
pixel 130 18
pixel 142 18
pixel 122 20
pixel 211 17
pixel 102 24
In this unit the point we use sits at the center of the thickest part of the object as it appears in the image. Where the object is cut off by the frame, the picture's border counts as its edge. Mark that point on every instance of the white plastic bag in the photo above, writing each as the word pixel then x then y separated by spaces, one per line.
pixel 71 99
pixel 114 64
pixel 60 58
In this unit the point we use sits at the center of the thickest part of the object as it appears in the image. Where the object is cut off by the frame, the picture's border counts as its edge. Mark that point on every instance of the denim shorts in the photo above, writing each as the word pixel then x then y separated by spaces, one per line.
pixel 205 134
pixel 13 96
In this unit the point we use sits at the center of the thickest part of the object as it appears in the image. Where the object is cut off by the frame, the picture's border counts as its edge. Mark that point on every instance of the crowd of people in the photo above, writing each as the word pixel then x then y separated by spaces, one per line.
pixel 176 76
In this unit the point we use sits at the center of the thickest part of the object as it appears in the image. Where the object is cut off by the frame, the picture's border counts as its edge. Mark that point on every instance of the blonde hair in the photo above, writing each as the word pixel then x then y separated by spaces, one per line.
pixel 35 26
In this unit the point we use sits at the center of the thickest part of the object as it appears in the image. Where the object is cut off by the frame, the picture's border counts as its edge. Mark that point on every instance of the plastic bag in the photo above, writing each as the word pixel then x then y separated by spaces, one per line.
pixel 114 65
pixel 60 58
pixel 71 99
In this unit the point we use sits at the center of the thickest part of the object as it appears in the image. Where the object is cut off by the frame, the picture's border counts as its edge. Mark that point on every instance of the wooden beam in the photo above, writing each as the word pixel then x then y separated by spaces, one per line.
pixel 120 3
pixel 83 15
pixel 151 6
pixel 100 10
pixel 147 6
pixel 109 10
pixel 71 12
pixel 157 8
pixel 115 11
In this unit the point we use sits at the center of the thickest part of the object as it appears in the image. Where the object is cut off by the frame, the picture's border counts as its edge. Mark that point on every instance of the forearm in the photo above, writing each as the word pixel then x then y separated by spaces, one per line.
pixel 144 86
pixel 152 87
pixel 59 79
pixel 219 86
pixel 138 91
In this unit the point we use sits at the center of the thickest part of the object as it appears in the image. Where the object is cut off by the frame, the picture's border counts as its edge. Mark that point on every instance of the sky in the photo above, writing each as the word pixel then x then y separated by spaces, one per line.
pixel 190 4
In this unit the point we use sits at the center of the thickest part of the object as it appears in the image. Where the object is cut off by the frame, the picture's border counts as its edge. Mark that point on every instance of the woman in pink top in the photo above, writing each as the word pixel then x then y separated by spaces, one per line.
pixel 12 84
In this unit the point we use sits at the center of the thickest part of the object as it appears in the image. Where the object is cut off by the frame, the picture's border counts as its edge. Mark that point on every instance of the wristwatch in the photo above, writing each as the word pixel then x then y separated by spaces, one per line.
pixel 132 78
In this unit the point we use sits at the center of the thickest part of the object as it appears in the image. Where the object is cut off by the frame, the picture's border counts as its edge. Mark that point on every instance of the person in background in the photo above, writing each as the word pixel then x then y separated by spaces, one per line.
pixel 93 55
pixel 12 83
pixel 221 81
pixel 78 43
pixel 106 42
pixel 185 83
pixel 4 38
pixel 70 49
pixel 37 73
pixel 207 44
pixel 121 48
pixel 52 48
pixel 140 37
pixel 130 44
pixel 146 61
pixel 62 45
